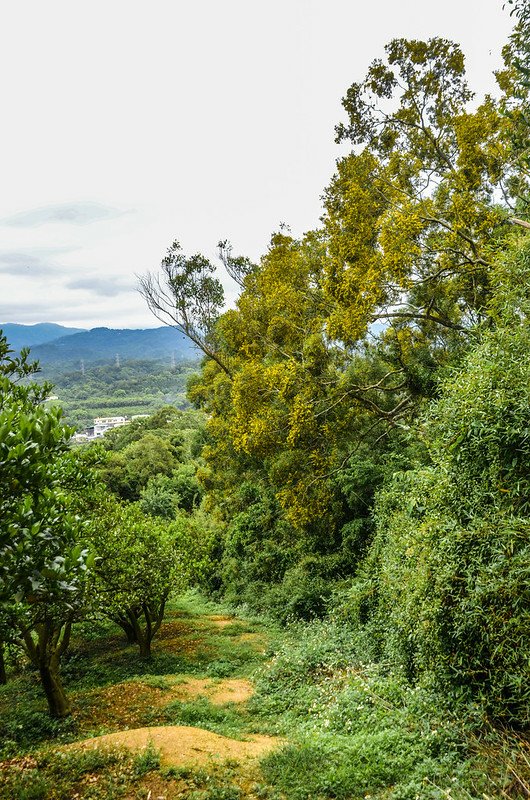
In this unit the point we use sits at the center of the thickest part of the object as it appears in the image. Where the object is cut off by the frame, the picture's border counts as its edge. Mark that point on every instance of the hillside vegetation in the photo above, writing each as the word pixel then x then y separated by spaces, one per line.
pixel 130 388
pixel 351 491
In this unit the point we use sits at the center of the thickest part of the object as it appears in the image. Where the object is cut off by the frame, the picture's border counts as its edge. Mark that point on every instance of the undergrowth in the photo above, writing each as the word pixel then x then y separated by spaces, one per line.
pixel 353 729
pixel 358 730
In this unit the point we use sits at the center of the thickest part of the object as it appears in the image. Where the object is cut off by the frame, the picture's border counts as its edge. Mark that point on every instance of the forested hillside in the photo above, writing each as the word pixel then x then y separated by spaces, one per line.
pixel 104 345
pixel 353 483
pixel 130 388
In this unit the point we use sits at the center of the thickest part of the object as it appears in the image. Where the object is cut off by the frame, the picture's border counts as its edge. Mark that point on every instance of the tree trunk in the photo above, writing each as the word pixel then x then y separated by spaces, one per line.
pixel 45 653
pixel 130 633
pixel 3 674
pixel 53 689
pixel 127 628
pixel 142 639
pixel 145 647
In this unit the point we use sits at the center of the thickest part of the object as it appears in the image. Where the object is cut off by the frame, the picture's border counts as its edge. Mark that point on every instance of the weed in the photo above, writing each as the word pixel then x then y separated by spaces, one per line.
pixel 227 720
pixel 25 721
pixel 219 793
pixel 157 682
pixel 222 669
pixel 58 774
pixel 27 785
pixel 147 761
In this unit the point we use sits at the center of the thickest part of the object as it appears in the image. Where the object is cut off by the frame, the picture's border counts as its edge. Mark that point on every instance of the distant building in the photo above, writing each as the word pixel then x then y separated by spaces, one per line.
pixel 99 428
pixel 104 424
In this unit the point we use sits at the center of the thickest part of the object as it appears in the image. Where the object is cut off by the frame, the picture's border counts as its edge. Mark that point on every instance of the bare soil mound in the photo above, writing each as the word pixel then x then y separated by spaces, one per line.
pixel 220 620
pixel 218 693
pixel 181 745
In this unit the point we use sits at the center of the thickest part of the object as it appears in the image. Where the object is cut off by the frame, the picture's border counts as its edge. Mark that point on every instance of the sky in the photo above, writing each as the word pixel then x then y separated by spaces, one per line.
pixel 129 124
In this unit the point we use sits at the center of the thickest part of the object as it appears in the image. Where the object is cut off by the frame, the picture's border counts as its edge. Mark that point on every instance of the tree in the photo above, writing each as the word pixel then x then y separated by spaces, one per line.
pixel 42 560
pixel 411 214
pixel 128 471
pixel 339 340
pixel 186 296
pixel 138 565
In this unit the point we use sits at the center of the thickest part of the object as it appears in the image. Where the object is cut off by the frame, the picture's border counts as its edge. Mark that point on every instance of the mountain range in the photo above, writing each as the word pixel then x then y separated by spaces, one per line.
pixel 52 344
pixel 20 336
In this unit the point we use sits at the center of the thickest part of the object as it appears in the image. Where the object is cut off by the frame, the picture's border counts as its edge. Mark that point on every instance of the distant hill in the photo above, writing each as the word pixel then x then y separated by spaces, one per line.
pixel 19 336
pixel 108 345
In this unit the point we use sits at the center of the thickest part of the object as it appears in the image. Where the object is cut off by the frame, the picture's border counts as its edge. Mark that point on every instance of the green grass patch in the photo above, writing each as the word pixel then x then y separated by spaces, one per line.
pixel 60 775
pixel 226 720
pixel 360 731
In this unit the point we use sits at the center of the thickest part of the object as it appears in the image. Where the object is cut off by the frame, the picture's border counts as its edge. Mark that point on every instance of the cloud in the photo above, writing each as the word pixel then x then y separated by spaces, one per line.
pixel 104 287
pixel 63 311
pixel 79 213
pixel 36 262
pixel 128 313
pixel 44 311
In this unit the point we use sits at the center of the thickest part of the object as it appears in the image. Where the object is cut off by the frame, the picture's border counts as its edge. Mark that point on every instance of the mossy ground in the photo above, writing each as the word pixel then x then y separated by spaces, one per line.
pixel 351 730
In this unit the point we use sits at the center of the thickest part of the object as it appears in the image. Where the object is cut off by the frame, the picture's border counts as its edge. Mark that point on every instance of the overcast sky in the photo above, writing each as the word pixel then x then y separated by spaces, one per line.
pixel 127 124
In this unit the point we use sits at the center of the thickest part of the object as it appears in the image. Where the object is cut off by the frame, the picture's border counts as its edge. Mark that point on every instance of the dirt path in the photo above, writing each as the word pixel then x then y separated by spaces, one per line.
pixel 230 690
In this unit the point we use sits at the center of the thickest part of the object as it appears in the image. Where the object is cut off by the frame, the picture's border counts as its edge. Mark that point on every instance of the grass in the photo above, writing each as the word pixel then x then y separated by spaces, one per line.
pixel 226 720
pixel 353 730
pixel 360 731
pixel 62 775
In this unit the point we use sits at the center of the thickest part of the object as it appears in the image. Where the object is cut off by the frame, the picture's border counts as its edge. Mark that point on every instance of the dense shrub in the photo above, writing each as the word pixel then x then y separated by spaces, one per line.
pixel 446 590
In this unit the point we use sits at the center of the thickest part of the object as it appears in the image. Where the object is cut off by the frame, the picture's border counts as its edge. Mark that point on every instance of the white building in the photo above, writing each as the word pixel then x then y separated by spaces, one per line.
pixel 99 428
pixel 104 424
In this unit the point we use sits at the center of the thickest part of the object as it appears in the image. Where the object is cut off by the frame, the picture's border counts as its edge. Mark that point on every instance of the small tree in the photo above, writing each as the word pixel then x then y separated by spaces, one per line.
pixel 136 569
pixel 42 563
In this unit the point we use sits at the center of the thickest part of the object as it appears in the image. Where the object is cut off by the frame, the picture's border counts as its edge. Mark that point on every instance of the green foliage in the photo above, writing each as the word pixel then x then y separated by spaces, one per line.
pixel 225 720
pixel 61 774
pixel 154 460
pixel 43 558
pixel 138 564
pixel 446 593
pixel 26 725
pixel 36 529
pixel 147 761
pixel 159 497
pixel 128 471
pixel 164 495
pixel 135 387
pixel 360 730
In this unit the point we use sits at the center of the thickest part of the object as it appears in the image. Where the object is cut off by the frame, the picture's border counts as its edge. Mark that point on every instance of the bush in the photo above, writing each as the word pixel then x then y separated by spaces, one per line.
pixel 446 584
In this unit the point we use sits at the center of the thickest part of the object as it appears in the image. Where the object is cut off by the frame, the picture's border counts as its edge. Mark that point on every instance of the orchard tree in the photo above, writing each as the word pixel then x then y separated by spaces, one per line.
pixel 42 561
pixel 138 565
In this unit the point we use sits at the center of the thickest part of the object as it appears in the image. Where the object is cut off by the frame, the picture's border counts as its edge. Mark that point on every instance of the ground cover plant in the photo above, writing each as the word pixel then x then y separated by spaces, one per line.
pixel 345 728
